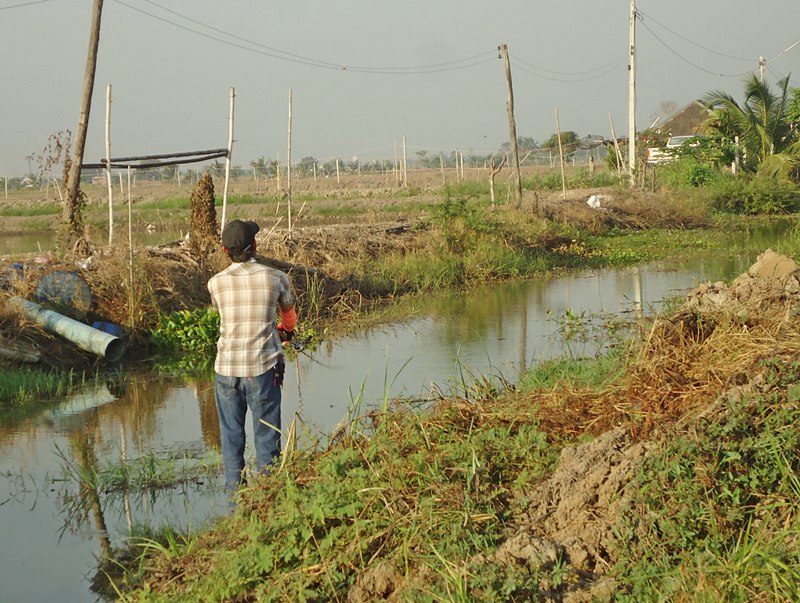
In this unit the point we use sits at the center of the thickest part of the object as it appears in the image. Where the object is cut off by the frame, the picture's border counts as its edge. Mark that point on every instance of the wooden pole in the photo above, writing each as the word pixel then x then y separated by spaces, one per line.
pixel 108 168
pixel 512 129
pixel 632 96
pixel 616 146
pixel 561 157
pixel 228 159
pixel 493 171
pixel 405 164
pixel 130 250
pixel 70 214
pixel 338 180
pixel 289 166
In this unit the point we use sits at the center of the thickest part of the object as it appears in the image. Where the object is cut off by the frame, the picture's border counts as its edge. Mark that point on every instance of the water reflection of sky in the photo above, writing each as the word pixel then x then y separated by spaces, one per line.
pixel 493 330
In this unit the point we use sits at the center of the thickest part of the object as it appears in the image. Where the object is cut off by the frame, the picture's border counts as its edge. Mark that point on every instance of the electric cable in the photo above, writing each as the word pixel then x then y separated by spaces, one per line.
pixel 687 61
pixel 24 4
pixel 613 63
pixel 464 63
pixel 722 54
pixel 605 71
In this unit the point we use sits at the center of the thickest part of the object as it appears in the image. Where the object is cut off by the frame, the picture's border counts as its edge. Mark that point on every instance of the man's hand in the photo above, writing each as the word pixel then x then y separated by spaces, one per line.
pixel 286 336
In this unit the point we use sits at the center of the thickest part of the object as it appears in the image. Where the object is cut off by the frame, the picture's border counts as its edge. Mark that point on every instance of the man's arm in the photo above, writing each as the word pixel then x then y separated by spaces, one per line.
pixel 287 322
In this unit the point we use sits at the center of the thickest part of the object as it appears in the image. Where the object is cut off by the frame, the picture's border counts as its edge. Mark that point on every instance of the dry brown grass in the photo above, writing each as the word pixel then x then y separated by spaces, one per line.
pixel 686 362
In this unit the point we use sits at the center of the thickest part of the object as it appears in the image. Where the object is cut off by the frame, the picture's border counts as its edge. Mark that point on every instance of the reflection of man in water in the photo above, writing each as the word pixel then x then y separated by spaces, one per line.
pixel 248 368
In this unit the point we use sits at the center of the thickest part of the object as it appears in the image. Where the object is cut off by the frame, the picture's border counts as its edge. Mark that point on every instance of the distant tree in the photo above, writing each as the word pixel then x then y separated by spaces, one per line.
pixel 262 168
pixel 168 173
pixel 217 169
pixel 567 138
pixel 330 166
pixel 307 165
pixel 665 110
pixel 523 142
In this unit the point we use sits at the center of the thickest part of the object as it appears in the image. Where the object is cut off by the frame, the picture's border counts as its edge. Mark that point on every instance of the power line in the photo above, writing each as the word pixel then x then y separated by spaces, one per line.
pixel 613 63
pixel 598 73
pixel 24 4
pixel 784 51
pixel 278 54
pixel 748 59
pixel 687 61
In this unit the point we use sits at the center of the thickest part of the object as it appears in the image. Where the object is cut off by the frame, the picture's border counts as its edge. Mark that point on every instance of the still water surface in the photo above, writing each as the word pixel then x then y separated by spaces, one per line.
pixel 51 546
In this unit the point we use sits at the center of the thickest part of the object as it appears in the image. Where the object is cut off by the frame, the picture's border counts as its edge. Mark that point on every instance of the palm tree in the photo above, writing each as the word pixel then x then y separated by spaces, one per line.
pixel 761 122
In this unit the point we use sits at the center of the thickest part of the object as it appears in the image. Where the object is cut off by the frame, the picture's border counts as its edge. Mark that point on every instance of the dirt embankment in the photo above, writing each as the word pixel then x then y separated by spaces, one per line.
pixel 683 373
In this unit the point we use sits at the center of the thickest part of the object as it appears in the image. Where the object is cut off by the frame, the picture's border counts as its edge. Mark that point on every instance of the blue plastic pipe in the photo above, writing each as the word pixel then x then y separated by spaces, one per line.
pixel 85 337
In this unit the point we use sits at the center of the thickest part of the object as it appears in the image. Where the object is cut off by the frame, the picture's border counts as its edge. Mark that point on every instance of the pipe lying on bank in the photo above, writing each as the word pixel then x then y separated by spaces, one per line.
pixel 85 337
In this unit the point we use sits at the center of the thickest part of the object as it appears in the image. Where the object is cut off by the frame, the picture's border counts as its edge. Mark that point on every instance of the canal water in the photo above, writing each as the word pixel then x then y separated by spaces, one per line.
pixel 53 538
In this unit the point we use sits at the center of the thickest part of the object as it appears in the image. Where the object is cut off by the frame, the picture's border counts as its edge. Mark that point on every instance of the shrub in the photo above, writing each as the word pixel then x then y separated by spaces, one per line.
pixel 753 196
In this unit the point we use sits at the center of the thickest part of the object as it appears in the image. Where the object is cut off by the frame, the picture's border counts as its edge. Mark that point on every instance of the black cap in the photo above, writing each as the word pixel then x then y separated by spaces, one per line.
pixel 238 235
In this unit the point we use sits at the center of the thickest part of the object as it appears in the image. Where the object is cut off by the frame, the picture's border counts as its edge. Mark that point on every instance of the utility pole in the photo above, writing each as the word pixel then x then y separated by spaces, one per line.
pixel 512 127
pixel 72 205
pixel 762 64
pixel 632 97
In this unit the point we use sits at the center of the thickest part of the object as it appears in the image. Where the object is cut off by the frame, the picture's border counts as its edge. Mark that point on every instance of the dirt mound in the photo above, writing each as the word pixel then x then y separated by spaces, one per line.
pixel 704 357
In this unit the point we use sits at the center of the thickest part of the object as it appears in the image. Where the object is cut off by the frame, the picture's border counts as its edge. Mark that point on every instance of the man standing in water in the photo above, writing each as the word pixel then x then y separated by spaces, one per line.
pixel 248 370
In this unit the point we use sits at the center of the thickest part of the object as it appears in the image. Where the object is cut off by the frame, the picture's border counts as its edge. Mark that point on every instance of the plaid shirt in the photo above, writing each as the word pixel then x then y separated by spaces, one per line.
pixel 246 295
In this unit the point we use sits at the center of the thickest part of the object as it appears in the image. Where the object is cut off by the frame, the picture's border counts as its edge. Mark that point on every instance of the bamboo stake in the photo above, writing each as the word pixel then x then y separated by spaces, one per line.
pixel 561 158
pixel 289 166
pixel 405 164
pixel 616 146
pixel 130 249
pixel 228 159
pixel 108 167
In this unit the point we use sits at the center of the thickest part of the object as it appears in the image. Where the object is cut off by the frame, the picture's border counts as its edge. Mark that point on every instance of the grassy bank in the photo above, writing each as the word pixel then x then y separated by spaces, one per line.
pixel 667 469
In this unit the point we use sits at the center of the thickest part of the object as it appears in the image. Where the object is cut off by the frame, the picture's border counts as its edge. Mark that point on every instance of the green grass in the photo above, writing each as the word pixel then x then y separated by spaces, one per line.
pixel 39 210
pixel 20 387
pixel 430 491
pixel 733 536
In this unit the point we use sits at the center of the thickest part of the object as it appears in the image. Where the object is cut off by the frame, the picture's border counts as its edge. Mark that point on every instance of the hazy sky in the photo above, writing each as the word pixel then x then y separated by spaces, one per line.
pixel 365 73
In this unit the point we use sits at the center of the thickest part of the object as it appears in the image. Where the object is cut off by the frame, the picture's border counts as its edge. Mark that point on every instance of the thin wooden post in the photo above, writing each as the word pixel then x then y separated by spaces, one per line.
pixel 395 166
pixel 405 164
pixel 71 206
pixel 493 171
pixel 616 146
pixel 130 250
pixel 289 166
pixel 108 167
pixel 338 177
pixel 228 159
pixel 561 158
pixel 512 129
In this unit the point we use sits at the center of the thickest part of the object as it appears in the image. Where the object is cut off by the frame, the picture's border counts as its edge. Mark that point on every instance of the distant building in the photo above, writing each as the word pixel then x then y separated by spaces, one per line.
pixel 688 120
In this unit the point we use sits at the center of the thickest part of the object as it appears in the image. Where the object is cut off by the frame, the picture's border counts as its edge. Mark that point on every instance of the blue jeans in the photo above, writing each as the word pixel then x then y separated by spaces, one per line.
pixel 234 395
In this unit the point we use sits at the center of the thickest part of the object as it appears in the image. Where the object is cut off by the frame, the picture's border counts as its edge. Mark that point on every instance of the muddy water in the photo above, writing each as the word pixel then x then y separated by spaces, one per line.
pixel 53 533
pixel 15 244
